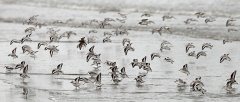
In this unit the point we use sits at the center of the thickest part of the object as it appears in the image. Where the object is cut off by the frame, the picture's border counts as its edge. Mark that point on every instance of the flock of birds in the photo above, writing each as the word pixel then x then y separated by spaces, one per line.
pixel 196 85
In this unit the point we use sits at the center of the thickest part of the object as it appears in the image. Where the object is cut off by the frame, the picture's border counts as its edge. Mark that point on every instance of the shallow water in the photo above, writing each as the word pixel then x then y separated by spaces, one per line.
pixel 159 84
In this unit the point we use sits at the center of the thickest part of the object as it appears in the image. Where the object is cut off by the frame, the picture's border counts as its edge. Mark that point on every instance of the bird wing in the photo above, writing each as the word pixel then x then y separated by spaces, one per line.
pixel 14 50
pixel 233 75
pixel 25 69
pixel 59 66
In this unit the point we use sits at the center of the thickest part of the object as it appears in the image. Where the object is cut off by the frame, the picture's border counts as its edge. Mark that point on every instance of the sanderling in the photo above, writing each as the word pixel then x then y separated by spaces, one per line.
pixel 82 43
pixel 8 68
pixel 76 82
pixel 25 92
pixel 155 55
pixel 13 54
pixel 107 39
pixel 185 69
pixel 123 73
pixel 180 82
pixel 139 79
pixel 20 66
pixel 231 81
pixel 58 70
pixel 197 85
pixel 121 20
pixel 16 41
pixel 192 54
pixel 225 57
pixel 45 43
pixel 201 53
pixel 92 73
pixel 107 33
pixel 135 63
pixel 97 82
pixel 125 40
pixel 128 48
pixel 169 59
pixel 123 15
pixel 188 46
pixel 200 14
pixel 24 74
pixel 207 45
pixel 232 29
pixel 103 11
pixel 227 40
pixel 108 19
pixel 146 15
pixel 93 31
pixel 115 79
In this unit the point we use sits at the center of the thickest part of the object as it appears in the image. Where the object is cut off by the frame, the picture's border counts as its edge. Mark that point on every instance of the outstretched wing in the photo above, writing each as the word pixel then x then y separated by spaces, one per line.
pixel 98 78
pixel 25 69
pixel 185 66
pixel 233 75
pixel 60 66
pixel 14 50
pixel 123 70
